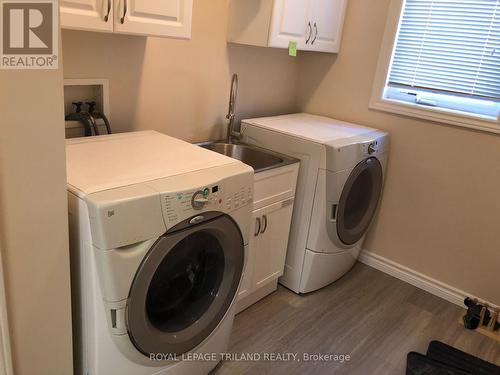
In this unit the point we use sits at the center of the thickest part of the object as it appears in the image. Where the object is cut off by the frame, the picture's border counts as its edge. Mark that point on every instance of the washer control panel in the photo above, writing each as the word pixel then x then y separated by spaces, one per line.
pixel 199 200
pixel 179 206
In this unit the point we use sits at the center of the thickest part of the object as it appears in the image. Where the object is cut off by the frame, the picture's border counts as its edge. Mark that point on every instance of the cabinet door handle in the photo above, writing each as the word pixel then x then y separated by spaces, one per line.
pixel 264 226
pixel 310 32
pixel 106 17
pixel 257 227
pixel 315 33
pixel 122 20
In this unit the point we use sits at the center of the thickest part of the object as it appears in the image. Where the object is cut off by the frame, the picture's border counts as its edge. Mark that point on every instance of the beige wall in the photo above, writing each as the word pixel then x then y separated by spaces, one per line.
pixel 440 208
pixel 175 86
pixel 33 221
pixel 181 87
pixel 440 213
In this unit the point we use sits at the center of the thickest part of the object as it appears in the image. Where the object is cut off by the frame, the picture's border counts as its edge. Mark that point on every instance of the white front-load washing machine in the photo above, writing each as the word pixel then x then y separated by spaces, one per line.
pixel 158 235
pixel 341 174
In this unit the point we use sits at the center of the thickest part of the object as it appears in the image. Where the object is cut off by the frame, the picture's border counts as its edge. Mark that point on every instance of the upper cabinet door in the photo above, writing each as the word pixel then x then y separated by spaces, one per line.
pixel 170 18
pixel 94 15
pixel 327 18
pixel 290 23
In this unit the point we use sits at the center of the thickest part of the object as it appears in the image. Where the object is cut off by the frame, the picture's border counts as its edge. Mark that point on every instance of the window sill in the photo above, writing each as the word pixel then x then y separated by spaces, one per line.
pixel 437 115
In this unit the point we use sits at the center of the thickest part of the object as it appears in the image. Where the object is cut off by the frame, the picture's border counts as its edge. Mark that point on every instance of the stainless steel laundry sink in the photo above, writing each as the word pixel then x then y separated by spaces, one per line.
pixel 258 158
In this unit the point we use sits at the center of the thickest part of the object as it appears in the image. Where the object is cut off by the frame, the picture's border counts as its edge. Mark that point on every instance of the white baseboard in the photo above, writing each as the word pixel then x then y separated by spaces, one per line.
pixel 417 279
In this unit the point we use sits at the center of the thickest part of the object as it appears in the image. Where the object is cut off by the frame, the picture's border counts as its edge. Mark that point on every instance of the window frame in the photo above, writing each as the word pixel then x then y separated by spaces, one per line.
pixel 436 114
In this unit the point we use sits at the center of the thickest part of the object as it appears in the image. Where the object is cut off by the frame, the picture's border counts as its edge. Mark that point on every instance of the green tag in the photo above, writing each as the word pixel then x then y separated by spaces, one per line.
pixel 292 48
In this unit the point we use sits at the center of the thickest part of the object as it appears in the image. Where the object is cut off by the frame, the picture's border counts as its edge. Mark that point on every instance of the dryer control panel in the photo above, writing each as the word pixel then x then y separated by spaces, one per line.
pixel 345 154
pixel 375 146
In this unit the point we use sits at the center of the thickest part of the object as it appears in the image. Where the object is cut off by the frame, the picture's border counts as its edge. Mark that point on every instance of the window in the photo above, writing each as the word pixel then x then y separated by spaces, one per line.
pixel 444 60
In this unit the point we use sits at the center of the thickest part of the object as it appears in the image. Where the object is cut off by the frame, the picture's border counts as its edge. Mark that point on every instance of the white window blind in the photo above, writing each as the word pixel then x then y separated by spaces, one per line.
pixel 449 46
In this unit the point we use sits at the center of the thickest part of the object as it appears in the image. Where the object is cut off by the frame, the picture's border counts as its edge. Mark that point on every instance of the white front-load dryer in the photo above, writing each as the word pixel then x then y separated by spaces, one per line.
pixel 158 235
pixel 342 169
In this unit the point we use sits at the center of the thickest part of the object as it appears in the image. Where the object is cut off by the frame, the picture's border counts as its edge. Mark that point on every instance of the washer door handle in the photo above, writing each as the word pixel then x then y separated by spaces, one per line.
pixel 257 227
pixel 197 219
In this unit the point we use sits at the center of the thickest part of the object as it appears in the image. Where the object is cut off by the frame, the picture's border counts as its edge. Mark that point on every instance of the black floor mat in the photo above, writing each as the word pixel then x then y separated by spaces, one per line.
pixel 419 364
pixel 450 356
pixel 442 359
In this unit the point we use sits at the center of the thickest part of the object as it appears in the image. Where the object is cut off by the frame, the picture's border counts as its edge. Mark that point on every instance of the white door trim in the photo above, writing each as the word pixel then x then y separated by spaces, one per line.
pixel 433 286
pixel 5 352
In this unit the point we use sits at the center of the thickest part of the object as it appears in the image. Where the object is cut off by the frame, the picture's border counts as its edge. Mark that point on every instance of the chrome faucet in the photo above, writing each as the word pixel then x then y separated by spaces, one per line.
pixel 230 115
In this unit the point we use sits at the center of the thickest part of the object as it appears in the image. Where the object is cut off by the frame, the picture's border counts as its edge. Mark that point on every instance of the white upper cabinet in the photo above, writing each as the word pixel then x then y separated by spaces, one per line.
pixel 171 18
pixel 289 24
pixel 327 18
pixel 94 15
pixel 167 18
pixel 315 25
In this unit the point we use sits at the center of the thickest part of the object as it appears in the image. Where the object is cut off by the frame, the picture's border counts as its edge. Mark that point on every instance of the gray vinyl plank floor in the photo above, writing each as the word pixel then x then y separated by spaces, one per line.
pixel 372 317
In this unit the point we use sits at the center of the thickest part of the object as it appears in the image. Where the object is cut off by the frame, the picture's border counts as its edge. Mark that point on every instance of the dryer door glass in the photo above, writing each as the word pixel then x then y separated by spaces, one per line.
pixel 184 286
pixel 358 200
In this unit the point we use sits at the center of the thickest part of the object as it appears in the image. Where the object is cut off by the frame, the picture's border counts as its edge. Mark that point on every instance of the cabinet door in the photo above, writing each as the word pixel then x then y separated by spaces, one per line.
pixel 272 242
pixel 94 15
pixel 327 18
pixel 289 22
pixel 170 18
pixel 246 286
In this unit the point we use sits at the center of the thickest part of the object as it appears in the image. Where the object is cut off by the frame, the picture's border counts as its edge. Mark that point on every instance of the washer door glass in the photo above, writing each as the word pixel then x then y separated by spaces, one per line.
pixel 184 287
pixel 358 200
